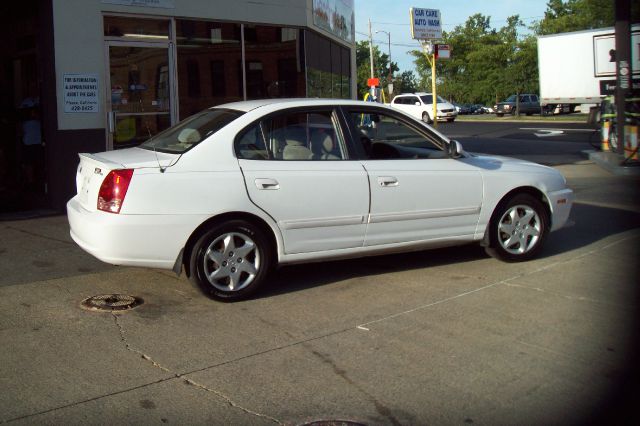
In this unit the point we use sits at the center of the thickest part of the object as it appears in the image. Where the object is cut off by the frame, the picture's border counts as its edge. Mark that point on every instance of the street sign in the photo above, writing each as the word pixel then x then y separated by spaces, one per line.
pixel 426 24
pixel 443 51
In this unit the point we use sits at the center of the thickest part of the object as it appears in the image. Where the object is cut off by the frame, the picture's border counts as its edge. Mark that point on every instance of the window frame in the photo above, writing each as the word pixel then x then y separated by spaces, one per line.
pixel 336 117
pixel 353 131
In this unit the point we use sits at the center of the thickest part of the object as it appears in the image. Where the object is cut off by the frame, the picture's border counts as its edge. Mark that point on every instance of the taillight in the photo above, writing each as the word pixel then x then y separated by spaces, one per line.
pixel 113 190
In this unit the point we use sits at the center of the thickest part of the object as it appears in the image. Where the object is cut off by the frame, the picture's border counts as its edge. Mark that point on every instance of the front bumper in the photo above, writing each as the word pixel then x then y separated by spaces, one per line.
pixel 560 203
pixel 442 116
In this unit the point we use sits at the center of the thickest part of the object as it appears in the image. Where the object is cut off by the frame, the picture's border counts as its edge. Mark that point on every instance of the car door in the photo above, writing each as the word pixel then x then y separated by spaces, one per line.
pixel 297 169
pixel 418 193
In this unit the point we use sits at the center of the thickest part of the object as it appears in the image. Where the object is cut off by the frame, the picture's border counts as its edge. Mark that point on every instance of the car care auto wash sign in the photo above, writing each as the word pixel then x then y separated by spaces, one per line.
pixel 426 24
pixel 80 93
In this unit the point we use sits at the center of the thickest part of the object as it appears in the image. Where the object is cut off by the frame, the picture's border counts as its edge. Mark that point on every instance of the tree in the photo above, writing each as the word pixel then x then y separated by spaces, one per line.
pixel 575 15
pixel 407 83
pixel 486 63
pixel 563 16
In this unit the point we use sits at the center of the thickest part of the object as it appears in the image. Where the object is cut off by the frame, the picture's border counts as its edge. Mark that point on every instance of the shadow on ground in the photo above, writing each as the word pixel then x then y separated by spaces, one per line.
pixel 592 224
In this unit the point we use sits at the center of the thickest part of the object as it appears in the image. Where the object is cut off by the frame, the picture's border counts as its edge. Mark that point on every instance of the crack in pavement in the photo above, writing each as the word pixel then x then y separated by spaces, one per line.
pixel 302 342
pixel 188 381
pixel 380 408
pixel 364 326
pixel 33 234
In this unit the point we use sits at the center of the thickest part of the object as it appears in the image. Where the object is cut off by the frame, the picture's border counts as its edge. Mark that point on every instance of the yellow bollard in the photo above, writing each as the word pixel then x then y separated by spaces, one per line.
pixel 604 137
pixel 631 142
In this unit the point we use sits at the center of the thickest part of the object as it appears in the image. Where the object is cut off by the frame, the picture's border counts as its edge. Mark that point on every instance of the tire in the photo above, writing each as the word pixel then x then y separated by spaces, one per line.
pixel 499 114
pixel 450 120
pixel 426 118
pixel 231 260
pixel 518 229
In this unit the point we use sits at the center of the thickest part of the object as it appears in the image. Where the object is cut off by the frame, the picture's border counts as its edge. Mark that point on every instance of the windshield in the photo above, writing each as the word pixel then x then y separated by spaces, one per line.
pixel 428 99
pixel 190 132
pixel 511 98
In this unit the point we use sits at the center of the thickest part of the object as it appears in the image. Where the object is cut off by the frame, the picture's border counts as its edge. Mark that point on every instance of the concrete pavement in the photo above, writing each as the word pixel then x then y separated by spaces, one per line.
pixel 437 337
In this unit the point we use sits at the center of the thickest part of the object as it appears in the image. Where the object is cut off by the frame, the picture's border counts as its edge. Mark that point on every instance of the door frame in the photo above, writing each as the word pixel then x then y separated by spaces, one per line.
pixel 170 46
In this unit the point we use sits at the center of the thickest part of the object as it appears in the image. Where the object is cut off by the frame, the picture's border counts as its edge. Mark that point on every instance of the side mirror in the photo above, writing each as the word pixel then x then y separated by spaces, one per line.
pixel 455 149
pixel 418 103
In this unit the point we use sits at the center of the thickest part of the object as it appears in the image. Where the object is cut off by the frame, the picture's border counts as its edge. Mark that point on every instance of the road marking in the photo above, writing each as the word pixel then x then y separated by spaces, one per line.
pixel 565 130
pixel 545 133
pixel 633 234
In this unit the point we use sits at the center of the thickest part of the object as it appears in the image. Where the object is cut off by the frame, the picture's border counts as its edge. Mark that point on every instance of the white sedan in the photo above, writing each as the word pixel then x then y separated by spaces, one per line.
pixel 238 188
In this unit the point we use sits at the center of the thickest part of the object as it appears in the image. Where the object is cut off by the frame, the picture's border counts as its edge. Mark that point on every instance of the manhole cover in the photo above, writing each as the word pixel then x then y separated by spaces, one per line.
pixel 111 302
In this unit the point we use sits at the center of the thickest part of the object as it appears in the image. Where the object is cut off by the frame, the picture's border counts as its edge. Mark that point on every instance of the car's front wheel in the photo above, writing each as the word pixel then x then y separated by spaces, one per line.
pixel 426 118
pixel 518 229
pixel 230 260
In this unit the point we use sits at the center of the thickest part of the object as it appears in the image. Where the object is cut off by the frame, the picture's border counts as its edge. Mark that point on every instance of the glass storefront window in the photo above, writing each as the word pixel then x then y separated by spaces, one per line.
pixel 135 28
pixel 209 57
pixel 328 68
pixel 273 62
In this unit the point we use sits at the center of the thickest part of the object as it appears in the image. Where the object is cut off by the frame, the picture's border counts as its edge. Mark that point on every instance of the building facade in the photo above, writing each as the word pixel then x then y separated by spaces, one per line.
pixel 95 75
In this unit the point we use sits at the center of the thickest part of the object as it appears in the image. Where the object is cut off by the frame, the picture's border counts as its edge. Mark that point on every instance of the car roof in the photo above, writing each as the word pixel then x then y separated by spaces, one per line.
pixel 247 106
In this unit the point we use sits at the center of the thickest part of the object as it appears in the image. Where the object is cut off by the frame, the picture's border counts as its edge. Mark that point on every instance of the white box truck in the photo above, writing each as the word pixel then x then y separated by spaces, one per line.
pixel 579 67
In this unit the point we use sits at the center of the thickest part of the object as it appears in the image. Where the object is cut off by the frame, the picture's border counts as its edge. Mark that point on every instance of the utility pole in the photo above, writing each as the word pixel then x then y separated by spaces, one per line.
pixel 623 67
pixel 431 55
pixel 389 78
pixel 371 49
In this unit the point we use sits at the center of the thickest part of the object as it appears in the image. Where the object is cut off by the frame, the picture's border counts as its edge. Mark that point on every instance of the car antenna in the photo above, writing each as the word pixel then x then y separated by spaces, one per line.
pixel 154 149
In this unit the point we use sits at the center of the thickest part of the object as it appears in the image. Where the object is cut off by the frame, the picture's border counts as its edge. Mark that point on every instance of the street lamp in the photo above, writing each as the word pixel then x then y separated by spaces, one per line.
pixel 389 83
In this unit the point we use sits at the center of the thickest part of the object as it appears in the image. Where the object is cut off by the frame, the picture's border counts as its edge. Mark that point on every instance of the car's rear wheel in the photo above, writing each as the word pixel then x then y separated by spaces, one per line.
pixel 231 260
pixel 426 118
pixel 518 228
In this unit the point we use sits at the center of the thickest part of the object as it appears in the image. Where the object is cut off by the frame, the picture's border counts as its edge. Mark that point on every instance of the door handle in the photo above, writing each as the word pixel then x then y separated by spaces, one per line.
pixel 386 181
pixel 263 183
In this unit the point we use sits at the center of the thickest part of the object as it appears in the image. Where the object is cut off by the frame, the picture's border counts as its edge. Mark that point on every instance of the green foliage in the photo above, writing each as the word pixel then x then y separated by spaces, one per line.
pixel 574 15
pixel 486 64
pixel 489 64
pixel 406 83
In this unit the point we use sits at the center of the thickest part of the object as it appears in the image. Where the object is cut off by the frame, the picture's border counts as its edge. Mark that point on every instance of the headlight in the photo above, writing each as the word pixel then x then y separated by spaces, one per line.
pixel 507 107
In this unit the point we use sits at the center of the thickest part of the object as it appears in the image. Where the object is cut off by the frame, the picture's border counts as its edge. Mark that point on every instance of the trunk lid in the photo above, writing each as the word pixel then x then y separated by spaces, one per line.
pixel 93 168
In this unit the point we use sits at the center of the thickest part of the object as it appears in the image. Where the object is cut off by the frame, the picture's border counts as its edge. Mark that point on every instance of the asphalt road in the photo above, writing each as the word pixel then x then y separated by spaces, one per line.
pixel 445 336
pixel 545 143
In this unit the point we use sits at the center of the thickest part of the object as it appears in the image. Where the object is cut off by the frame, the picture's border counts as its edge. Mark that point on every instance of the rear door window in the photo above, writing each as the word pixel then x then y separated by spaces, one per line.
pixel 293 136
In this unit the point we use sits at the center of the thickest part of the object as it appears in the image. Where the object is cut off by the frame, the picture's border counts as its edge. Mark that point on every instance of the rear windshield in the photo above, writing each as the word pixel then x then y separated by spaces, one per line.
pixel 191 131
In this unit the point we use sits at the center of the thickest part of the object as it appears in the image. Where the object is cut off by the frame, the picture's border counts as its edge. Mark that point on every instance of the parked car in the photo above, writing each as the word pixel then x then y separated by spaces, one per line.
pixel 420 106
pixel 465 109
pixel 529 104
pixel 236 189
pixel 478 109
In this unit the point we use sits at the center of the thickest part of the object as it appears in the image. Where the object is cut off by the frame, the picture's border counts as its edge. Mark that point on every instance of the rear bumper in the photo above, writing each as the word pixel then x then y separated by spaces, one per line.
pixel 134 240
pixel 560 202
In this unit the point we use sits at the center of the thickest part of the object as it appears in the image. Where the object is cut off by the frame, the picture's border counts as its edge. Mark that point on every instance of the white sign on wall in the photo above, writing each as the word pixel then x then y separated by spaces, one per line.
pixel 335 16
pixel 426 24
pixel 80 93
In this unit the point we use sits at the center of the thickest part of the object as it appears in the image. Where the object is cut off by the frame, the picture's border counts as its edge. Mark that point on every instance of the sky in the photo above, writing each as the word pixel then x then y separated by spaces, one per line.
pixel 393 16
